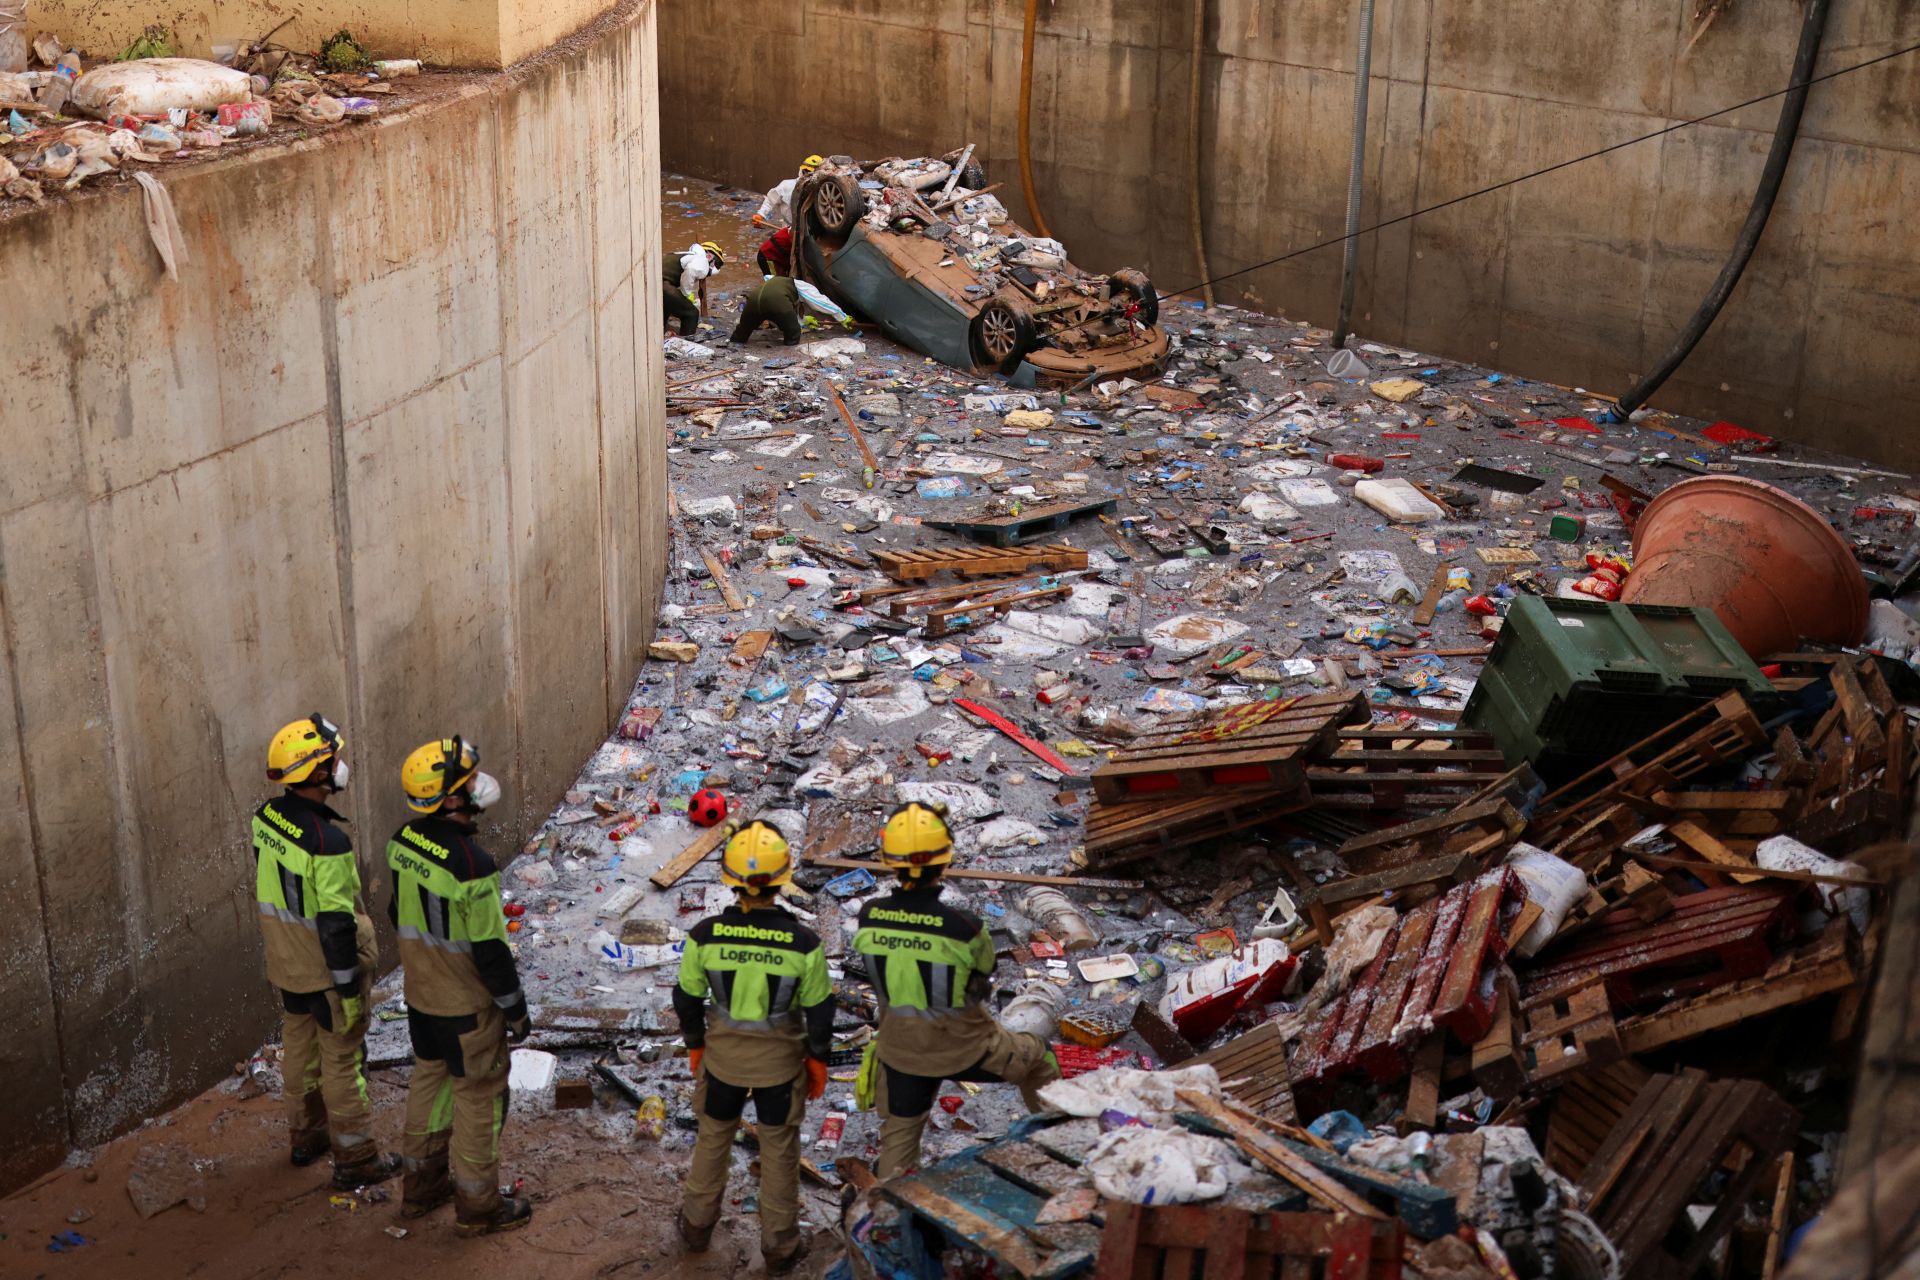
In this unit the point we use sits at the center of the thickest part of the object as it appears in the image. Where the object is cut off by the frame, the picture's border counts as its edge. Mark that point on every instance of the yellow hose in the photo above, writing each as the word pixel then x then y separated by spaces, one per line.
pixel 1026 119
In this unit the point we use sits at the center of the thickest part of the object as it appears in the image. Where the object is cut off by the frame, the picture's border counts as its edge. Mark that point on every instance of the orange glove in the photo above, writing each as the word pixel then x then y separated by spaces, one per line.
pixel 816 1077
pixel 693 1061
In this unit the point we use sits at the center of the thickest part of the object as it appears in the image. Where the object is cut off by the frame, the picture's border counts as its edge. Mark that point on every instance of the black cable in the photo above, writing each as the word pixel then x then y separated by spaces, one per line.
pixel 1552 168
pixel 1812 27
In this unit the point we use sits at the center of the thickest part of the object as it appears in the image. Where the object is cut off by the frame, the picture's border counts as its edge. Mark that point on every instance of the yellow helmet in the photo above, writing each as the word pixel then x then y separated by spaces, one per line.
pixel 302 747
pixel 437 770
pixel 916 835
pixel 811 163
pixel 757 858
pixel 713 251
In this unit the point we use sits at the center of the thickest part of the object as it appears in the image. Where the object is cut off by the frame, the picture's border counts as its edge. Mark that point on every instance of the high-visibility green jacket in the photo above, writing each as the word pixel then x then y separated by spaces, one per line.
pixel 754 994
pixel 306 885
pixel 930 964
pixel 453 934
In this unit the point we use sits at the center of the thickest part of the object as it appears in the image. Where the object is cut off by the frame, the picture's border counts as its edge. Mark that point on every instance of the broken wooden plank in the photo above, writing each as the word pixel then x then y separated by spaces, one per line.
pixel 718 572
pixel 690 857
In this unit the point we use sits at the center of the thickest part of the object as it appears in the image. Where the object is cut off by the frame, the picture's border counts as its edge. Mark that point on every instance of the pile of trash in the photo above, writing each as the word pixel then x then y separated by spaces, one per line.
pixel 1376 938
pixel 69 118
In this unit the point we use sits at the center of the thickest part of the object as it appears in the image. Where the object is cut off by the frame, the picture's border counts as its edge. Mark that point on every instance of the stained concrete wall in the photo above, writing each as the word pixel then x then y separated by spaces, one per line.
pixel 1582 277
pixel 454 33
pixel 392 448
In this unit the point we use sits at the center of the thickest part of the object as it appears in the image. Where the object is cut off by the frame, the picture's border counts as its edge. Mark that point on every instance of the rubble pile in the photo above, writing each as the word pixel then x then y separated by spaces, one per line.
pixel 1423 902
pixel 69 118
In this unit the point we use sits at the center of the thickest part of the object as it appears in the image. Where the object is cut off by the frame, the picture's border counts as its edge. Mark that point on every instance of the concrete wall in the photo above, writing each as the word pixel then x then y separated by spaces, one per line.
pixel 453 33
pixel 1582 277
pixel 393 448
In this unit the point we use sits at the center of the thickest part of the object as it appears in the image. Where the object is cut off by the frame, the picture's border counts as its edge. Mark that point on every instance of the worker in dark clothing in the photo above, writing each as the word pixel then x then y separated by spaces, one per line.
pixel 320 954
pixel 464 1003
pixel 931 965
pixel 686 279
pixel 756 1008
pixel 787 304
pixel 775 255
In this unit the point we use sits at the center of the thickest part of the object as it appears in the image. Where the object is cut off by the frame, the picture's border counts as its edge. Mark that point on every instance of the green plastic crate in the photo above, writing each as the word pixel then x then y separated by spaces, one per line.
pixel 1579 679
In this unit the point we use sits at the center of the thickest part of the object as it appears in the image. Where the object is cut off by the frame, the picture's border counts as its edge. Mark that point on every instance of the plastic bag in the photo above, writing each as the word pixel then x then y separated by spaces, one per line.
pixel 1160 1166
pixel 1148 1095
pixel 1555 884
pixel 150 86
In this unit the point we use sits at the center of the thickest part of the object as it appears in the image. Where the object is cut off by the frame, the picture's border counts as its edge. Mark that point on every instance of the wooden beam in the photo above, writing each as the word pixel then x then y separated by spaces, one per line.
pixel 690 857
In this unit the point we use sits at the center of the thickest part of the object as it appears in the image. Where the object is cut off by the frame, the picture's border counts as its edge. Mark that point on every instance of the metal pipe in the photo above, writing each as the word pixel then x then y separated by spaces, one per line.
pixel 1356 167
pixel 1026 120
pixel 1194 220
pixel 1812 27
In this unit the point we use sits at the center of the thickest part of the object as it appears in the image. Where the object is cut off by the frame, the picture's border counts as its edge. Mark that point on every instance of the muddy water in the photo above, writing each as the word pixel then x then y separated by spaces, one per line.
pixel 692 211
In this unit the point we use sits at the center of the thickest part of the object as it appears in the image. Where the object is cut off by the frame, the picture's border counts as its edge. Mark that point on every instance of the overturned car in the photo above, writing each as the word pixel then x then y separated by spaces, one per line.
pixel 926 252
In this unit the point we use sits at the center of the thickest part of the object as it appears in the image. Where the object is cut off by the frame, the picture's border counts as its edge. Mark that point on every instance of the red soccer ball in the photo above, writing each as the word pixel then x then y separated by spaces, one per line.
pixel 706 808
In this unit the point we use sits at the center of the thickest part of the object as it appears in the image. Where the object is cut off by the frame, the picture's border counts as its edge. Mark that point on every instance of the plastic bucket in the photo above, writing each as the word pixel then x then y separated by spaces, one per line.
pixel 1769 566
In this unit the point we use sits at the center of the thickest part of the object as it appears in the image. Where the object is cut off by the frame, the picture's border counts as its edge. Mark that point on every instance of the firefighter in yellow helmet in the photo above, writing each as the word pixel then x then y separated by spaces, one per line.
pixel 319 951
pixel 777 209
pixel 931 966
pixel 686 280
pixel 756 1007
pixel 464 1003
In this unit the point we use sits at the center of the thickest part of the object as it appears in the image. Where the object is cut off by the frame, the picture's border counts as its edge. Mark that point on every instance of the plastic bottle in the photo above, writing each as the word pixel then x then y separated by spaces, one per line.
pixel 1055 912
pixel 650 1121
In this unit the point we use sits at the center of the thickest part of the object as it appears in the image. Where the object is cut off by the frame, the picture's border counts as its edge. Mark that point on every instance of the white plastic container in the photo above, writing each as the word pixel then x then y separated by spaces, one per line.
pixel 1397 500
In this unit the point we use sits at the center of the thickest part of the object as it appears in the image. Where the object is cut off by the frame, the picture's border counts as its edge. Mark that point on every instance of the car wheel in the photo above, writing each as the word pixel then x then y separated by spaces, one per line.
pixel 837 206
pixel 1000 334
pixel 1135 285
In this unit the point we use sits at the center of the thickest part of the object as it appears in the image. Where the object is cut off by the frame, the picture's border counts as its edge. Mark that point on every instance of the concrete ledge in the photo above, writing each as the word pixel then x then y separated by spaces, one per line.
pixel 450 33
pixel 393 448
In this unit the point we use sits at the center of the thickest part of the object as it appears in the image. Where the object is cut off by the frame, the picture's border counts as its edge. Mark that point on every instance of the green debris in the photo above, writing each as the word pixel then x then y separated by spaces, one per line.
pixel 155 42
pixel 341 52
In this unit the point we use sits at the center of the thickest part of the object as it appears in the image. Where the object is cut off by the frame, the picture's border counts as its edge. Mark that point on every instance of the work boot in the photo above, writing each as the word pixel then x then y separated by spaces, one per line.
pixel 425 1188
pixel 697 1239
pixel 513 1213
pixel 779 1266
pixel 794 341
pixel 365 1173
pixel 310 1151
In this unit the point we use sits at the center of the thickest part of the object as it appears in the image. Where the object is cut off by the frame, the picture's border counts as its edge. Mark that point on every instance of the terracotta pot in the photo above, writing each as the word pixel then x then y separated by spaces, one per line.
pixel 1766 563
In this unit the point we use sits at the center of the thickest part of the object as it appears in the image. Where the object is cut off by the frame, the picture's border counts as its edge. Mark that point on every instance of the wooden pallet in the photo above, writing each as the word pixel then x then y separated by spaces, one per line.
pixel 949 609
pixel 1804 974
pixel 1032 522
pixel 1568 1033
pixel 1119 833
pixel 1386 769
pixel 1436 969
pixel 1586 1108
pixel 1253 1071
pixel 984 1205
pixel 1185 1242
pixel 1477 829
pixel 1255 746
pixel 1680 1130
pixel 1591 812
pixel 920 564
pixel 1712 938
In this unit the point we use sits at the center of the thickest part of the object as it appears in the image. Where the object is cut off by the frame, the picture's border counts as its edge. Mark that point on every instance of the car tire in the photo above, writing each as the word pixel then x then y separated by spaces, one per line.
pixel 1136 285
pixel 999 334
pixel 836 206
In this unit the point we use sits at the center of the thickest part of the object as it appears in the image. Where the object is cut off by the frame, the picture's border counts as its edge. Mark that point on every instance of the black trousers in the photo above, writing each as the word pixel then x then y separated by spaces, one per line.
pixel 687 313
